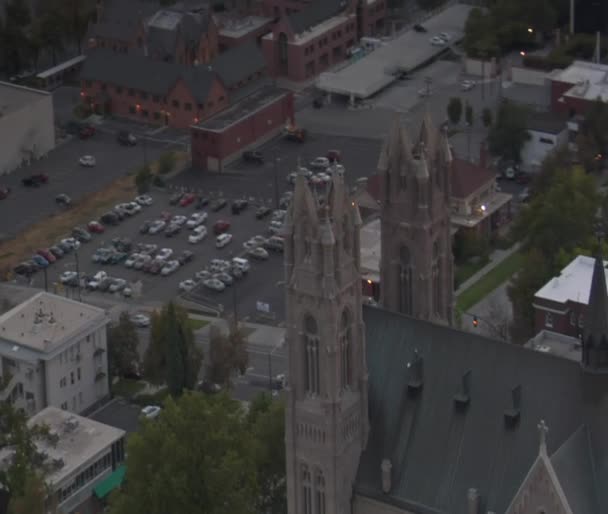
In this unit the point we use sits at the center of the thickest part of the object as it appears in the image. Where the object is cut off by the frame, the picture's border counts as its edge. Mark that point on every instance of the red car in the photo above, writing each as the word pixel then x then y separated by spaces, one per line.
pixel 46 254
pixel 187 199
pixel 86 132
pixel 4 192
pixel 96 227
pixel 221 226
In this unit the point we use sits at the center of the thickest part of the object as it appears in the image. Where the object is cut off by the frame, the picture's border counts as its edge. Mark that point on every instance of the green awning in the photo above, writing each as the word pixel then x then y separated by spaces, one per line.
pixel 109 484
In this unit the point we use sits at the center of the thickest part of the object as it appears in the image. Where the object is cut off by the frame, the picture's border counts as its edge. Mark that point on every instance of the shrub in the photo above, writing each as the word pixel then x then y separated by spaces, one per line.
pixel 143 179
pixel 166 163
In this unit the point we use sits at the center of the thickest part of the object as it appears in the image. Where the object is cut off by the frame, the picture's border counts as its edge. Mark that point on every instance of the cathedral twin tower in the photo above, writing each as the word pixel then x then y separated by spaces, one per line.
pixel 327 407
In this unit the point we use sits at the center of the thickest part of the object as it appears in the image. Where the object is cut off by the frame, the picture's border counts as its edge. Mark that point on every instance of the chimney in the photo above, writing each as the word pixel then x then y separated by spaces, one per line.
pixel 483 155
pixel 472 501
pixel 386 468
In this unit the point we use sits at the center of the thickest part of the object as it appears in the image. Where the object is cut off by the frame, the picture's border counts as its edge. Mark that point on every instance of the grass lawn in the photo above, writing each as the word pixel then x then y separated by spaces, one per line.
pixel 499 275
pixel 127 388
pixel 466 270
pixel 197 324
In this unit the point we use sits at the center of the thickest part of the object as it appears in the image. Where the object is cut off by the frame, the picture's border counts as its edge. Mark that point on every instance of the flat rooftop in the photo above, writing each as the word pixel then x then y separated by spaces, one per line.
pixel 44 322
pixel 371 73
pixel 243 109
pixel 589 80
pixel 556 344
pixel 239 27
pixel 80 440
pixel 14 98
pixel 573 284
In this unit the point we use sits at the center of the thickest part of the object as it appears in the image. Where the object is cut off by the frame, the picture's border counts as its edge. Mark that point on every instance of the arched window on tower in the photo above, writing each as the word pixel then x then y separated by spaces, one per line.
pixel 319 492
pixel 306 489
pixel 346 351
pixel 436 274
pixel 311 357
pixel 405 281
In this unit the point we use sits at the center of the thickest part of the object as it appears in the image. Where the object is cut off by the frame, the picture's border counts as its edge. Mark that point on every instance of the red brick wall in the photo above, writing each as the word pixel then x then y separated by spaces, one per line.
pixel 557 90
pixel 570 323
pixel 372 18
pixel 206 143
pixel 173 114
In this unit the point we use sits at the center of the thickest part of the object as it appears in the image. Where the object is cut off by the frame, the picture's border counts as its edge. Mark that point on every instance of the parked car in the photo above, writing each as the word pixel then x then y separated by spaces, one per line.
pixel 81 234
pixel 172 230
pixel 198 234
pixel 275 244
pixel 88 161
pixel 238 206
pixel 63 199
pixel 118 285
pixel 198 218
pixel 95 227
pixel 419 28
pixel 141 320
pixel 262 212
pixel 214 284
pixel 187 199
pixel 221 226
pixel 132 259
pixel 320 163
pixel 524 196
pixel 334 156
pixel 67 277
pixel 126 138
pixel 151 411
pixel 445 36
pixel 145 227
pixel 178 220
pixel 226 278
pixel 164 253
pixel 86 132
pixel 437 41
pixel 218 205
pixel 44 252
pixel 25 268
pixel 254 157
pixel 467 85
pixel 122 244
pixel 156 227
pixel 187 285
pixel 222 240
pixel 175 198
pixel 4 192
pixel 185 257
pixel 169 267
pixel 201 203
pixel 71 242
pixel 40 261
pixel 56 251
pixel 522 178
pixel 35 180
pixel 144 200
pixel 258 253
pixel 109 218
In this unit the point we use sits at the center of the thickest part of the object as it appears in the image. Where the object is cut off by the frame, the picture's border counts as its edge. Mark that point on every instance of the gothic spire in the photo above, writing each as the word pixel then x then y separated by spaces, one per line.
pixel 396 147
pixel 428 134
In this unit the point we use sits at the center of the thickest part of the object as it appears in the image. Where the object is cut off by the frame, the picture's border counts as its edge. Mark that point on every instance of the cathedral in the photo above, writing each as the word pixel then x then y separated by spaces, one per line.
pixel 391 410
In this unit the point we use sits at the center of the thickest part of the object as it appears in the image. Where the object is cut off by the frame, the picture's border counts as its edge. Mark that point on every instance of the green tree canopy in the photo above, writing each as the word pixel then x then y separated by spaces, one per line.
pixel 592 140
pixel 227 354
pixel 123 342
pixel 508 135
pixel 197 457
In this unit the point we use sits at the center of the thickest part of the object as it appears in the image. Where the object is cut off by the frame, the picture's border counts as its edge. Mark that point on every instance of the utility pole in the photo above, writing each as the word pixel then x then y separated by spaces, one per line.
pixel 276 182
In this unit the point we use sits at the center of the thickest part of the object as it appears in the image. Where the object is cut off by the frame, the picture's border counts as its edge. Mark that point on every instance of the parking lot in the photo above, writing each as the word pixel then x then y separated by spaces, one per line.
pixel 27 205
pixel 261 283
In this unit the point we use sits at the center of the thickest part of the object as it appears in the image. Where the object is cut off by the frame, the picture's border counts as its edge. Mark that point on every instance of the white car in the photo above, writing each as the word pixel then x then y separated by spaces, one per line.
pixel 198 235
pixel 445 36
pixel 241 264
pixel 437 41
pixel 215 284
pixel 258 253
pixel 71 242
pixel 320 162
pixel 202 274
pixel 324 177
pixel 87 160
pixel 141 320
pixel 144 200
pixel 275 227
pixel 132 259
pixel 278 215
pixel 118 285
pixel 132 207
pixel 67 276
pixel 222 240
pixel 178 220
pixel 219 265
pixel 187 285
pixel 225 278
pixel 250 245
pixel 164 253
pixel 157 227
pixel 169 268
pixel 151 411
pixel 259 240
pixel 467 85
pixel 198 218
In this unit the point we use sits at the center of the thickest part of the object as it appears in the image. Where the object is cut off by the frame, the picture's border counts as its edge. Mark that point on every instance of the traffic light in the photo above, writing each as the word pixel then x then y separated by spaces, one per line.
pixel 475 321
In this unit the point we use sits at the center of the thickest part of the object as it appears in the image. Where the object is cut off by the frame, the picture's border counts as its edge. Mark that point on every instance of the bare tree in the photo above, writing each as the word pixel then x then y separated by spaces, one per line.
pixel 499 321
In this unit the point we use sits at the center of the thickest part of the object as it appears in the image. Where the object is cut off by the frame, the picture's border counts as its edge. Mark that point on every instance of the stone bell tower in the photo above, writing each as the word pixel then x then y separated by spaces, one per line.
pixel 326 411
pixel 416 270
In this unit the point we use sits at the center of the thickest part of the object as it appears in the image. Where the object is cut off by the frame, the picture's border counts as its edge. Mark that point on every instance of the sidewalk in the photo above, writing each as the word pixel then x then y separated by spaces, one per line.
pixel 496 257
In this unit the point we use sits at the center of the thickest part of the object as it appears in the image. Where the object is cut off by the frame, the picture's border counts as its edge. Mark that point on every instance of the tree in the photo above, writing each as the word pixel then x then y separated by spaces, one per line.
pixel 143 179
pixel 486 117
pixel 592 140
pixel 123 341
pixel 197 456
pixel 468 114
pixel 36 498
pixel 227 353
pixel 171 337
pixel 508 135
pixel 454 110
pixel 17 13
pixel 49 30
pixel 267 421
pixel 166 163
pixel 76 16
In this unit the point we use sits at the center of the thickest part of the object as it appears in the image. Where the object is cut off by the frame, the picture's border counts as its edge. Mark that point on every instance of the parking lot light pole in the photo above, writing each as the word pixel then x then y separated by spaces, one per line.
pixel 276 182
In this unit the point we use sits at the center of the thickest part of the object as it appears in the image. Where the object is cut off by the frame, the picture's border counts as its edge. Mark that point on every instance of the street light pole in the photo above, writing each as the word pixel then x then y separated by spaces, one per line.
pixel 276 182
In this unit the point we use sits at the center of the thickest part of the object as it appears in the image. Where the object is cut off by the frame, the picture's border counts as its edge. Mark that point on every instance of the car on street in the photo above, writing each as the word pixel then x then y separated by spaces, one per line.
pixel 524 196
pixel 187 199
pixel 63 199
pixel 164 253
pixel 419 28
pixel 198 218
pixel 172 230
pixel 169 267
pixel 523 178
pixel 86 131
pixel 35 180
pixel 141 320
pixel 95 227
pixel 198 234
pixel 175 198
pixel 223 239
pixel 67 277
pixel 445 36
pixel 151 411
pixel 258 253
pixel 218 205
pixel 239 206
pixel 157 226
pixel 221 226
pixel 320 163
pixel 144 200
pixel 437 41
pixel 4 192
pixel 254 157
pixel 215 284
pixel 262 212
pixel 95 280
pixel 467 85
pixel 118 285
pixel 126 138
pixel 187 285
pixel 87 161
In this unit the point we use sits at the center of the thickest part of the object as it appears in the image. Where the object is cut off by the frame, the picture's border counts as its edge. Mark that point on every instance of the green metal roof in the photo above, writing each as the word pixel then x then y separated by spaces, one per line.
pixel 110 483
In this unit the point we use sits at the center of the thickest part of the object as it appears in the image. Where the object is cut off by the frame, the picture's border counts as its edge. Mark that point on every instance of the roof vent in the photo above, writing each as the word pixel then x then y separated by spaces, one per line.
pixel 462 398
pixel 512 414
pixel 416 369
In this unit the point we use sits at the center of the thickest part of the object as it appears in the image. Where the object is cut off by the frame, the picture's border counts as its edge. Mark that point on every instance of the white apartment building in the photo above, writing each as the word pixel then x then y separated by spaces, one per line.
pixel 53 352
pixel 84 462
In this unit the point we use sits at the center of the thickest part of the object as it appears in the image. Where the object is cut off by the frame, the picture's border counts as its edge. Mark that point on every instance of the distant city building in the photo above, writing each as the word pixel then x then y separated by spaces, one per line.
pixel 548 132
pixel 84 464
pixel 27 125
pixel 574 89
pixel 237 30
pixel 53 352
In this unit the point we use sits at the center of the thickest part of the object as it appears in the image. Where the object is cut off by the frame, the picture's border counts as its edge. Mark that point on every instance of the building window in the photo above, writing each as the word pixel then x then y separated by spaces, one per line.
pixel 175 103
pixel 311 356
pixel 131 92
pixel 581 320
pixel 188 106
pixel 78 373
pixel 220 99
pixel 572 318
pixel 62 382
pixel 118 90
pixel 80 397
pixel 210 105
pixel 201 107
pixel 346 351
pixel 72 377
pixel 436 279
pixel 549 319
pixel 144 113
pixel 405 280
pixel 319 493
pixel 306 490
pixel 545 140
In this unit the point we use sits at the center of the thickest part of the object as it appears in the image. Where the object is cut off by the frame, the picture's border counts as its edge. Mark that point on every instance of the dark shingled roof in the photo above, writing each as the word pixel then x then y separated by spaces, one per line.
pixel 144 74
pixel 313 14
pixel 120 19
pixel 439 448
pixel 239 63
pixel 162 40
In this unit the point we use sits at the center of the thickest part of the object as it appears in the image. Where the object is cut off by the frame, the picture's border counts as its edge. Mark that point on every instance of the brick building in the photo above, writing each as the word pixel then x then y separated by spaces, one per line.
pixel 251 121
pixel 574 89
pixel 560 305
pixel 235 31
